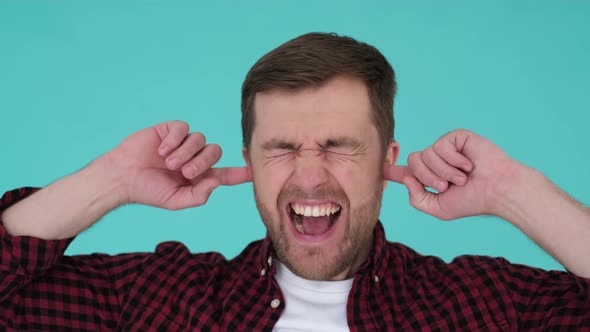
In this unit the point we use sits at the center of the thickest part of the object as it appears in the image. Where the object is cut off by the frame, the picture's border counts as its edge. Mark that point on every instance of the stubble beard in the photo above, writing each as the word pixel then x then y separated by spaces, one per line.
pixel 317 263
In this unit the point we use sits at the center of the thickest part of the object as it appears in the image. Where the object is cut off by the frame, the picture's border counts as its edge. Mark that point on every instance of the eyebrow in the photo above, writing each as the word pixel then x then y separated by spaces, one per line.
pixel 341 142
pixel 344 141
pixel 278 144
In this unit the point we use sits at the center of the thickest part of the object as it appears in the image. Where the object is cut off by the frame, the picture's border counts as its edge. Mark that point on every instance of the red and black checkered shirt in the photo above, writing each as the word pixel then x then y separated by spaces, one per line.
pixel 175 290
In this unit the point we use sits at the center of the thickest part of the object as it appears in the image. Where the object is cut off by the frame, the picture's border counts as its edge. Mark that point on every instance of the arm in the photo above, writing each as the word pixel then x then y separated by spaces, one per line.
pixel 35 230
pixel 68 206
pixel 474 177
pixel 142 169
pixel 32 269
pixel 555 221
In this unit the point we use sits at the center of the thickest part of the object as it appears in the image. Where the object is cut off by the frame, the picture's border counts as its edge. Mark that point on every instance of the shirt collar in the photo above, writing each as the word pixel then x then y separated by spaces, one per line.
pixel 371 266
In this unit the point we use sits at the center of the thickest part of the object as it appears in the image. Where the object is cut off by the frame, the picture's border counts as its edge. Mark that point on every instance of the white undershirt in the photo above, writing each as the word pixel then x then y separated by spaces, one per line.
pixel 312 305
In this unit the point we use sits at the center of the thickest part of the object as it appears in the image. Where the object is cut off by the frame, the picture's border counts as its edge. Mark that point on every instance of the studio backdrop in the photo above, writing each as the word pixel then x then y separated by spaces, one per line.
pixel 76 77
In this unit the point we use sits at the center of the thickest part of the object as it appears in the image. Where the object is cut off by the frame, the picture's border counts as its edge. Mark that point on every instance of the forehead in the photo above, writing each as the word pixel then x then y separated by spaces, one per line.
pixel 337 108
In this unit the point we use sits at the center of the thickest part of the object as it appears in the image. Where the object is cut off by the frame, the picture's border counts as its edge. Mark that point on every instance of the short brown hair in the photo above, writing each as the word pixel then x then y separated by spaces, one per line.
pixel 311 60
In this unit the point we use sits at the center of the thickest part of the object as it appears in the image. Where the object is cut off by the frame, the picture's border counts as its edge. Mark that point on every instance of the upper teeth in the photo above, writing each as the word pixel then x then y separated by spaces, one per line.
pixel 315 210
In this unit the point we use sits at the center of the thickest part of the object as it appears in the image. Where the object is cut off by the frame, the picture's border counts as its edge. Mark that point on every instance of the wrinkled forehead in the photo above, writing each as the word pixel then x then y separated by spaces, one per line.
pixel 338 108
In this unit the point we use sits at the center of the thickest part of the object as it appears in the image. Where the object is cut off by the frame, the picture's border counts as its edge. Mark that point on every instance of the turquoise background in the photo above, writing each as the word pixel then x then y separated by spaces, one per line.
pixel 76 77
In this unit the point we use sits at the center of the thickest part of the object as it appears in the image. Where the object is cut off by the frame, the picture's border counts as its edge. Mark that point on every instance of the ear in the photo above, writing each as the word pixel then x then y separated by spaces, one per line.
pixel 247 160
pixel 391 157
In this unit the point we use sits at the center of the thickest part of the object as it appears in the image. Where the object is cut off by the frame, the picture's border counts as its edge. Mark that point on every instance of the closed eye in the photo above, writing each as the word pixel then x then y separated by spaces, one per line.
pixel 278 156
pixel 275 153
pixel 343 152
pixel 343 156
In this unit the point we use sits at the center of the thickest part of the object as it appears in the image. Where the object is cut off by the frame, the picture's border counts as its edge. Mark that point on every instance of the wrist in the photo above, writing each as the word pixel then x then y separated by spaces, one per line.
pixel 110 182
pixel 515 194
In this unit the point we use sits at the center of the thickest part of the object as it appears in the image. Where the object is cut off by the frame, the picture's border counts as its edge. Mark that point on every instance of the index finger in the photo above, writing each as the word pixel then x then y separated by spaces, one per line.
pixel 395 173
pixel 229 176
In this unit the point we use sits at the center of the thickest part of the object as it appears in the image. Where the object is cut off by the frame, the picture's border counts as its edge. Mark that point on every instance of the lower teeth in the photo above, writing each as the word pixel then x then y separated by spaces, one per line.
pixel 298 224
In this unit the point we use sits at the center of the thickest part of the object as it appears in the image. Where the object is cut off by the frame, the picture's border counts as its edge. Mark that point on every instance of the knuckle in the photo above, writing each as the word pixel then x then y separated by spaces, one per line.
pixel 446 173
pixel 202 198
pixel 181 125
pixel 179 130
pixel 182 156
pixel 462 132
pixel 198 138
pixel 214 153
pixel 205 160
pixel 413 158
pixel 438 146
pixel 429 156
pixel 193 144
pixel 198 166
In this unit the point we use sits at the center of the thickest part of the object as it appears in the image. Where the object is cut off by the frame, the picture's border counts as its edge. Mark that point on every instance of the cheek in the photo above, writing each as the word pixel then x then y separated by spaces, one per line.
pixel 269 180
pixel 359 183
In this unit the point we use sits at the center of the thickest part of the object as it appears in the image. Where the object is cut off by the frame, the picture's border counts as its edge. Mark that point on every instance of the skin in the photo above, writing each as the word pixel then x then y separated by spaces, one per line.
pixel 141 170
pixel 291 160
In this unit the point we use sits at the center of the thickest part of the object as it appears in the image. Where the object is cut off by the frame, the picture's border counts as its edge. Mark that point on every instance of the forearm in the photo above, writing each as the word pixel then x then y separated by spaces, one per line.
pixel 68 206
pixel 555 221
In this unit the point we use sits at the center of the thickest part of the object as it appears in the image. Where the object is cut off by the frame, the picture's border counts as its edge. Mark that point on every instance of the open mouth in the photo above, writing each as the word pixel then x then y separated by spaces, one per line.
pixel 314 219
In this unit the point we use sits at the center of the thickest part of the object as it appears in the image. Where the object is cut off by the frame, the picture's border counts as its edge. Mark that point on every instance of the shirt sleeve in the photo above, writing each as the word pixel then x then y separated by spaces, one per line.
pixel 36 279
pixel 23 258
pixel 548 300
pixel 533 298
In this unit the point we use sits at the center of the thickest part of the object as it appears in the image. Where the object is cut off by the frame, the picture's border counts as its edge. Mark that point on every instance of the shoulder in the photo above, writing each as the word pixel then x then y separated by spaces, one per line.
pixel 483 272
pixel 173 251
pixel 178 251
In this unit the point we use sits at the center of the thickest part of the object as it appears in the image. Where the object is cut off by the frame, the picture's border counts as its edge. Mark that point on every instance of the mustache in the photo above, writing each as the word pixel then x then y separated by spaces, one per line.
pixel 324 192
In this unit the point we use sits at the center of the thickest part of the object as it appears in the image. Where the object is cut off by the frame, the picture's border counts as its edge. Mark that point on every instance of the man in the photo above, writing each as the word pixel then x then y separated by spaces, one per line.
pixel 317 126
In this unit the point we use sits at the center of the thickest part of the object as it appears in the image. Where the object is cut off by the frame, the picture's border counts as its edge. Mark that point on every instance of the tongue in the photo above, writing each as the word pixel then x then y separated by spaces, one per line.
pixel 315 225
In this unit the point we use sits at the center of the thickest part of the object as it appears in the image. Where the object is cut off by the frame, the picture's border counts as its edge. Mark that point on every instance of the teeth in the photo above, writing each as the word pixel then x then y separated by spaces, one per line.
pixel 316 210
pixel 298 224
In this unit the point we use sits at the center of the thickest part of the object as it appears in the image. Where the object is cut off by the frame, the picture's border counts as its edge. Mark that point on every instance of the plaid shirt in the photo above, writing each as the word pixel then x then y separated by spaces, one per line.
pixel 175 290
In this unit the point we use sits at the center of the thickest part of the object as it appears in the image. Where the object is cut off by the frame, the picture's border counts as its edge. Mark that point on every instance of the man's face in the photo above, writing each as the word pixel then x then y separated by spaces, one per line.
pixel 317 167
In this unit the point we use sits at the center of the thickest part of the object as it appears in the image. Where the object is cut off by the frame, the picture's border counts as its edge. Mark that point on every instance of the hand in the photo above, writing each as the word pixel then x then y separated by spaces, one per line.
pixel 168 167
pixel 469 172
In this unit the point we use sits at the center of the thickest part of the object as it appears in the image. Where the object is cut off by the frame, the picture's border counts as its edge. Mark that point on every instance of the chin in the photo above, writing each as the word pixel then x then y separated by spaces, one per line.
pixel 316 263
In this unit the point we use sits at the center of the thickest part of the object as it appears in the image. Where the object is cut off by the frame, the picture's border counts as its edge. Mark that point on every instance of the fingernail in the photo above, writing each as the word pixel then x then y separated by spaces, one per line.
pixel 439 185
pixel 173 162
pixel 163 150
pixel 190 172
pixel 458 180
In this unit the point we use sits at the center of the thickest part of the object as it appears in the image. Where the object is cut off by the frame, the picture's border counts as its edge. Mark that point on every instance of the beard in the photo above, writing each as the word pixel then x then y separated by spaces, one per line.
pixel 319 262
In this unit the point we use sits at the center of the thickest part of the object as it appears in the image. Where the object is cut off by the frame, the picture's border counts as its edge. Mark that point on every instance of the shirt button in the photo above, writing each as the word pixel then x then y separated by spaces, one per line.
pixel 275 303
pixel 269 260
pixel 263 272
pixel 376 279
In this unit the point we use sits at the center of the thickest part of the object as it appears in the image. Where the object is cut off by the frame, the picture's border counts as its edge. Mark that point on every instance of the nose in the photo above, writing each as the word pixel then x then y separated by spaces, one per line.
pixel 310 170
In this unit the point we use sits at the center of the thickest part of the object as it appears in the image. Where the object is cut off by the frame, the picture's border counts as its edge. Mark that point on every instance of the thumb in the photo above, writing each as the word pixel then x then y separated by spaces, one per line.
pixel 422 199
